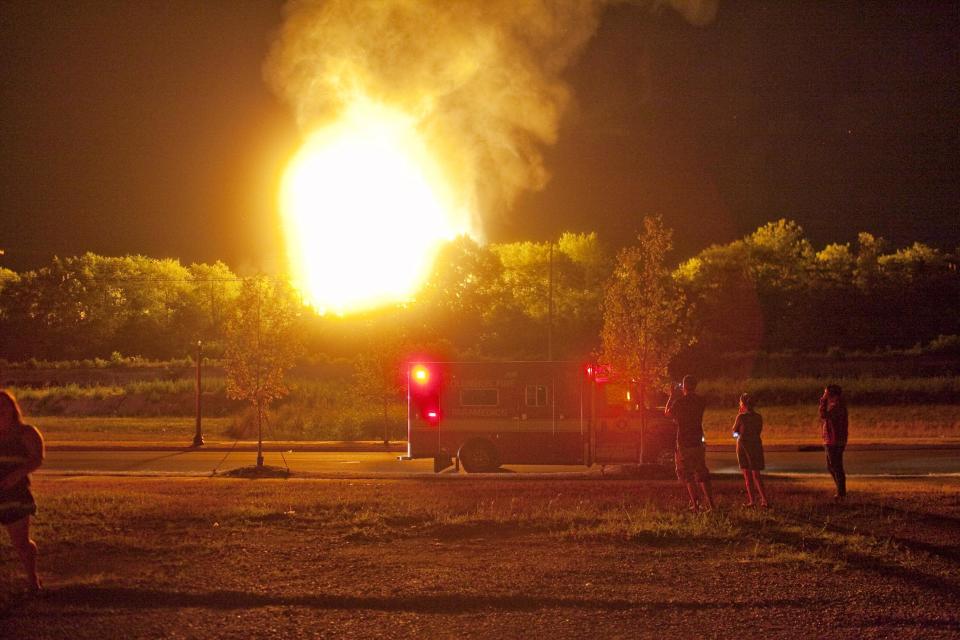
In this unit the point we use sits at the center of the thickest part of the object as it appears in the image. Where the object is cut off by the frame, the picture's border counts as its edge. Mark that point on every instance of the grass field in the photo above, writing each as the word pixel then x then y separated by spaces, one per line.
pixel 904 410
pixel 790 424
pixel 56 398
pixel 490 558
pixel 886 423
pixel 172 430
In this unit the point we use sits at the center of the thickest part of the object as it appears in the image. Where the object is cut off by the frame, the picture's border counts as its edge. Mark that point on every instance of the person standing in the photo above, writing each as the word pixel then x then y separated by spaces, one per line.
pixel 746 429
pixel 686 408
pixel 21 452
pixel 833 428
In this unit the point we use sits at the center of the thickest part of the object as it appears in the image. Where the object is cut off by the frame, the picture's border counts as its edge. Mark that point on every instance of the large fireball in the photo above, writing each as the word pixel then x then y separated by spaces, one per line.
pixel 365 209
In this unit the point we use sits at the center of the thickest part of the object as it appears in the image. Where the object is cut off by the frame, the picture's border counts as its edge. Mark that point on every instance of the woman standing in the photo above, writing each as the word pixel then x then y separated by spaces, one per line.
pixel 21 452
pixel 746 429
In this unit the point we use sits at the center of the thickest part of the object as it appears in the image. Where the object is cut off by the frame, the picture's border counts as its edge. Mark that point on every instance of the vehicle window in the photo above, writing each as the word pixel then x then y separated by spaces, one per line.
pixel 479 397
pixel 536 395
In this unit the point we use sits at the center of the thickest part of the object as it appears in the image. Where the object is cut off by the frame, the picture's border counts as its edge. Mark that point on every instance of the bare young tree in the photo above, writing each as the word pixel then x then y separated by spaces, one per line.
pixel 262 345
pixel 643 313
pixel 379 375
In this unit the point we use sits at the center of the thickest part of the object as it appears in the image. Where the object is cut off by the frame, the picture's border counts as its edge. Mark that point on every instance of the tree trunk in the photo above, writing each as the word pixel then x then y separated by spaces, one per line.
pixel 259 434
pixel 643 419
pixel 386 427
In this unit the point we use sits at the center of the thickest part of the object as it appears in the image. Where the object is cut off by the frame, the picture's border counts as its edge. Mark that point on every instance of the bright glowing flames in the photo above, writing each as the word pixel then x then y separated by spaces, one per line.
pixel 365 209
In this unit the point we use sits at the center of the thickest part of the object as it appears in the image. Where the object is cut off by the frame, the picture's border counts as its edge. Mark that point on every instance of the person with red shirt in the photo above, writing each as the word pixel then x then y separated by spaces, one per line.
pixel 833 429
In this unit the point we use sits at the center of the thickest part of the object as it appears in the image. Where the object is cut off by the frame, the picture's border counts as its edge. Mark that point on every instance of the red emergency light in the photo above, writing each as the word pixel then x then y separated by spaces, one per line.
pixel 599 372
pixel 420 374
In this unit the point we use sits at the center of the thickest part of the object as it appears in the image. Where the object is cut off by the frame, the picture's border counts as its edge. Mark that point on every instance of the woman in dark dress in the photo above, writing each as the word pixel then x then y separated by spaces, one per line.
pixel 21 452
pixel 746 429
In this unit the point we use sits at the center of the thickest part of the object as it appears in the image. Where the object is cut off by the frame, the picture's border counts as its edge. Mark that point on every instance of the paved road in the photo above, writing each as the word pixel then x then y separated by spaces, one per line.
pixel 906 462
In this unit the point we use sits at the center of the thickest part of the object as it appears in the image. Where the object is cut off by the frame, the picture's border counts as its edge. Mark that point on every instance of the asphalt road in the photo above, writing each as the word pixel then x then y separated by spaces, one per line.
pixel 896 462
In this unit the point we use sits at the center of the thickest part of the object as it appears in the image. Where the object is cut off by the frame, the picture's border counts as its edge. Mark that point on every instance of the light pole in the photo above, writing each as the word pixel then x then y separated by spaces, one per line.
pixel 198 436
pixel 550 307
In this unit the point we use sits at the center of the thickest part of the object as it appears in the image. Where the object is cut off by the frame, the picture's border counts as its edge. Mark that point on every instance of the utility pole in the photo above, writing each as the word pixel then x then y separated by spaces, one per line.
pixel 198 436
pixel 259 391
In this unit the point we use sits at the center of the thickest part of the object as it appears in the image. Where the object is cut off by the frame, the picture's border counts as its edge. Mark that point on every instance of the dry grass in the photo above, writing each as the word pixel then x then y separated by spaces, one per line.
pixel 480 557
pixel 172 430
pixel 891 423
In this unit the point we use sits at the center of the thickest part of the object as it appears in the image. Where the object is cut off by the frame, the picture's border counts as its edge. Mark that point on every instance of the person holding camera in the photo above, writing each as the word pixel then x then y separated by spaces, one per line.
pixel 833 428
pixel 686 407
pixel 746 430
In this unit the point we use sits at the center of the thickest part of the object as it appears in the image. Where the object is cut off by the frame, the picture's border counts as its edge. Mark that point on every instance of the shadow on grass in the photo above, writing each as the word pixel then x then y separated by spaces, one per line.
pixel 112 597
pixel 932 519
pixel 886 622
pixel 141 463
pixel 951 553
pixel 856 559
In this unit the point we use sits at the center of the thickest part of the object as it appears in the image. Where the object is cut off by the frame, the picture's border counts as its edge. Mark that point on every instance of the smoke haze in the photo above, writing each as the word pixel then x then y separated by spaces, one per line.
pixel 483 80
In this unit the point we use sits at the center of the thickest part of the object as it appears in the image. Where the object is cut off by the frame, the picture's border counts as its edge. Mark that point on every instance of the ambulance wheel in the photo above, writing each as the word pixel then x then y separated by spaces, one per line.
pixel 478 456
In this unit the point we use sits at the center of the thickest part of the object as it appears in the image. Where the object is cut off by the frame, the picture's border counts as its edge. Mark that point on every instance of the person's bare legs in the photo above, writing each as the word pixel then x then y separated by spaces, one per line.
pixel 758 480
pixel 746 483
pixel 707 494
pixel 27 550
pixel 692 492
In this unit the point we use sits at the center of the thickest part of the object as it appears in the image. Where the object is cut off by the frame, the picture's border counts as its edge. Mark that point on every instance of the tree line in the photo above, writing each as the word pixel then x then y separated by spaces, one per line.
pixel 771 290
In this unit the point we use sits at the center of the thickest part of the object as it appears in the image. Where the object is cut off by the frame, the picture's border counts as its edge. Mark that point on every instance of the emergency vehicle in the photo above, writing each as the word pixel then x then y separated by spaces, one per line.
pixel 485 414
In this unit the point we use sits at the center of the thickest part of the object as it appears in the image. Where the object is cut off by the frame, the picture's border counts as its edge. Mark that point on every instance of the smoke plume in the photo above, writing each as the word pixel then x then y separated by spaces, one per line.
pixel 482 79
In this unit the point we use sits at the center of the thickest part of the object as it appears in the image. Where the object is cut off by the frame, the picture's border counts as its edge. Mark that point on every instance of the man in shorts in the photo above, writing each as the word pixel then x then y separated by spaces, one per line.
pixel 686 408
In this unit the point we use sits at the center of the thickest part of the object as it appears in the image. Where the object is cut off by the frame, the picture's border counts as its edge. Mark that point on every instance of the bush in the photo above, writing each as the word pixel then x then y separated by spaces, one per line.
pixel 944 345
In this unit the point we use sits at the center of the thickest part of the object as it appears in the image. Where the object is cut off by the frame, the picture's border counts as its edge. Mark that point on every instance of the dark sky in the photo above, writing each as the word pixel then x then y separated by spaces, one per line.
pixel 146 127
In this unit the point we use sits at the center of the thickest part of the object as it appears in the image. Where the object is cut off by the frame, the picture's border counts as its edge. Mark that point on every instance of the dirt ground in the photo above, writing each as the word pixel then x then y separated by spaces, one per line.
pixel 486 558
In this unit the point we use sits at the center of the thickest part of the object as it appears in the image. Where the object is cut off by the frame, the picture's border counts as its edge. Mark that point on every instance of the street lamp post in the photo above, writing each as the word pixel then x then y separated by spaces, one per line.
pixel 198 436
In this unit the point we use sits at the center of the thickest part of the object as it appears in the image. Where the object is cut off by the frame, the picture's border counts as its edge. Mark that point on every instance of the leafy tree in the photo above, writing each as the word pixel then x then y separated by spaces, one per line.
pixel 916 283
pixel 835 303
pixel 643 312
pixel 725 311
pixel 208 303
pixel 579 265
pixel 263 343
pixel 780 262
pixel 461 295
pixel 151 295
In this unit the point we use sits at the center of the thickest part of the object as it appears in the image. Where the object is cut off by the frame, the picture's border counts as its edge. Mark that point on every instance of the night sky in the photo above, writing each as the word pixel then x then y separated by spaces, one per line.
pixel 146 127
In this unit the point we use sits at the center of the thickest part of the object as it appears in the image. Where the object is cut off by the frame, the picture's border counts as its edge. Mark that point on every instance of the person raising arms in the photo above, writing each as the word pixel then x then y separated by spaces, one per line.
pixel 833 429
